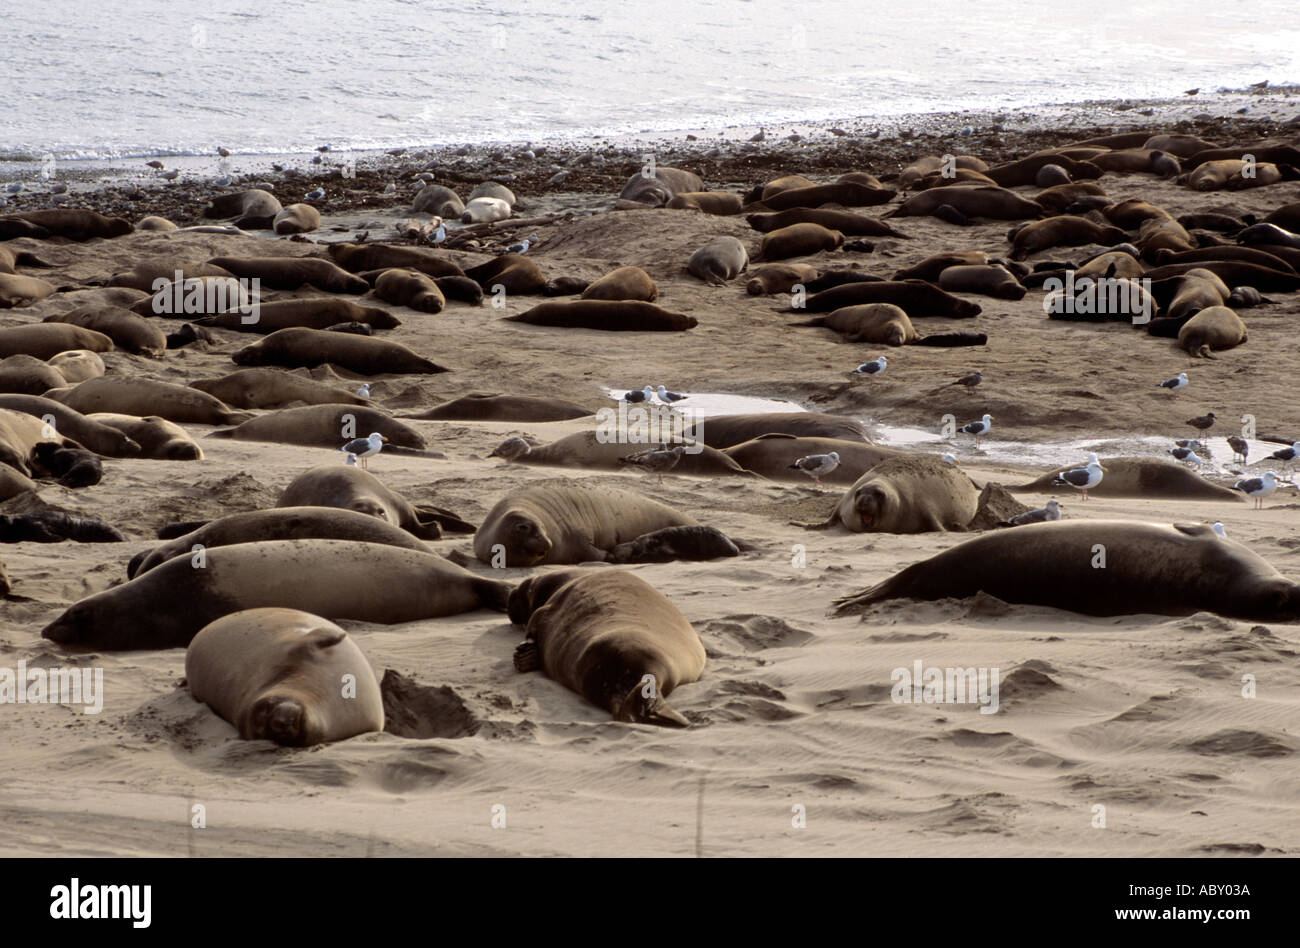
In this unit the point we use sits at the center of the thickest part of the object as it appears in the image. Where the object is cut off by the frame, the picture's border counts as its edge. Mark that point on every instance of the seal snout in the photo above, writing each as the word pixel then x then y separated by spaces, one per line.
pixel 278 719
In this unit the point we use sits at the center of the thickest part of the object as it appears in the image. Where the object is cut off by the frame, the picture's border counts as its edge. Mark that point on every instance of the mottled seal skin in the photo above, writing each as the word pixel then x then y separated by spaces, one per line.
pixel 335 579
pixel 1212 329
pixel 611 316
pixel 158 438
pixel 278 675
pixel 917 298
pixel 624 283
pixel 675 543
pixel 725 431
pixel 1138 477
pixel 306 348
pixel 491 407
pixel 846 222
pixel 318 312
pixel 611 637
pixel 359 258
pixel 908 494
pixel 351 488
pixel 279 523
pixel 568 522
pixel 290 273
pixel 140 397
pixel 773 456
pixel 45 340
pixel 274 388
pixel 720 260
pixel 324 426
pixel 1162 569
pixel 412 289
pixel 76 225
pixel 585 449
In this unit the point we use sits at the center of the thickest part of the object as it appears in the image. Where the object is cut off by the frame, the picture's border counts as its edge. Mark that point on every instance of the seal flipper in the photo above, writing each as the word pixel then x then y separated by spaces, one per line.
pixel 1194 529
pixel 445 518
pixel 528 657
pixel 635 708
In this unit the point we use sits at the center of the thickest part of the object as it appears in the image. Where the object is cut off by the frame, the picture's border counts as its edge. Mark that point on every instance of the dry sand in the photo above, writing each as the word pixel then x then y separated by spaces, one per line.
pixel 1141 715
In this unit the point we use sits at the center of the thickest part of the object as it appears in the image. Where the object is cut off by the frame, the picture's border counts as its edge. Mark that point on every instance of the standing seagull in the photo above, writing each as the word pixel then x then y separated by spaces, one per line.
pixel 1240 447
pixel 1258 487
pixel 874 367
pixel 363 448
pixel 364 390
pixel 523 245
pixel 1185 454
pixel 817 465
pixel 1287 456
pixel 317 195
pixel 666 396
pixel 656 461
pixel 1175 383
pixel 1203 423
pixel 1042 515
pixel 1218 529
pixel 638 395
pixel 439 235
pixel 1082 478
pixel 971 380
pixel 978 428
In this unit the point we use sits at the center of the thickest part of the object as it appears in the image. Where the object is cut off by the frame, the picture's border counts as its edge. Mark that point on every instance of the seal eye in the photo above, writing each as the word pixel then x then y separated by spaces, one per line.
pixel 522 527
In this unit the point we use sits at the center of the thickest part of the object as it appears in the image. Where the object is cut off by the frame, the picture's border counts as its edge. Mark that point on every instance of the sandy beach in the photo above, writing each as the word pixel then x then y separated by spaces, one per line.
pixel 795 746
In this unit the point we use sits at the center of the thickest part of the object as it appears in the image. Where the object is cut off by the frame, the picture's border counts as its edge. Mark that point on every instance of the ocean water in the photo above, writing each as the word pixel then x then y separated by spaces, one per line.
pixel 106 78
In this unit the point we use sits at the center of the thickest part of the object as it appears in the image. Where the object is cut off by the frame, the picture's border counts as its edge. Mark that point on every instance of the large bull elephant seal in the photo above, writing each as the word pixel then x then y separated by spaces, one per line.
pixel 285 676
pixel 335 579
pixel 908 495
pixel 568 522
pixel 661 187
pixel 611 637
pixel 1138 477
pixel 1171 570
pixel 351 488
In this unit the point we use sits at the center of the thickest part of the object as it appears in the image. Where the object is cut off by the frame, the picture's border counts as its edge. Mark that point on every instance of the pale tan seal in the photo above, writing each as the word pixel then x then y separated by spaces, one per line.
pixel 719 203
pixel 778 278
pixel 908 494
pixel 296 219
pixel 361 258
pixel 98 437
pixel 156 224
pixel 129 332
pixel 45 340
pixel 720 260
pixel 798 240
pixel 1212 329
pixel 140 397
pixel 290 273
pixel 274 388
pixel 624 283
pixel 18 291
pixel 1138 477
pixel 295 348
pixel 28 375
pixel 586 449
pixel 351 488
pixel 325 426
pixel 159 439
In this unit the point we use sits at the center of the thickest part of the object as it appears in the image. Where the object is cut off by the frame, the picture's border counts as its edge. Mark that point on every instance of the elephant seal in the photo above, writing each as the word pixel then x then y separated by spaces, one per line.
pixel 932 266
pixel 28 375
pixel 720 260
pixel 290 273
pixel 844 193
pixel 513 272
pixel 279 675
pixel 144 276
pixel 675 543
pixel 929 164
pixel 87 432
pixel 1197 290
pixel 1048 176
pixel 777 185
pixel 196 296
pixel 778 278
pixel 351 488
pixel 438 200
pixel 1256 255
pixel 1066 231
pixel 718 203
pixel 1287 217
pixel 1134 160
pixel 129 332
pixel 493 189
pixel 989 280
pixel 1025 171
pixel 11 259
pixel 846 222
pixel 156 224
pixel 726 431
pixel 336 579
pixel 323 426
pixel 773 456
pixel 888 325
pixel 625 283
pixel 1132 213
pixel 1182 146
pixel 908 494
pixel 76 225
pixel 159 439
pixel 1138 477
pixel 1157 236
pixel 917 298
pixel 611 316
pixel 19 435
pixel 1060 196
pixel 140 397
pixel 1275 154
pixel 55 526
pixel 1268 234
pixel 1172 570
pixel 279 523
pixel 1231 174
pixel 568 522
pixel 585 449
pixel 359 258
pixel 251 206
pixel 313 312
pixel 17 291
pixel 296 348
pixel 798 240
pixel 412 289
pixel 11 228
pixel 13 482
pixel 1212 329
pixel 662 186
pixel 483 407
pixel 274 388
pixel 1233 273
pixel 71 467
pixel 78 365
pixel 485 210
pixel 296 219
pixel 611 637
pixel 462 288
pixel 996 203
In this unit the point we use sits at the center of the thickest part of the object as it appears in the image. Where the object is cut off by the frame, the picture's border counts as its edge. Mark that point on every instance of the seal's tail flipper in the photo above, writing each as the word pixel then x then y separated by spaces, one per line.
pixel 448 520
pixel 494 594
pixel 638 709
pixel 527 657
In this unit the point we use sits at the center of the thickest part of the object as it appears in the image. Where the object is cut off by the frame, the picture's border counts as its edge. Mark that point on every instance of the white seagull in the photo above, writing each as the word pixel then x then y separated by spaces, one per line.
pixel 317 195
pixel 950 459
pixel 656 460
pixel 1082 478
pixel 1175 383
pixel 1287 456
pixel 364 448
pixel 666 396
pixel 1258 487
pixel 874 367
pixel 978 428
pixel 350 460
pixel 523 245
pixel 1185 454
pixel 439 235
pixel 817 465
pixel 364 390
pixel 1042 515
pixel 1218 529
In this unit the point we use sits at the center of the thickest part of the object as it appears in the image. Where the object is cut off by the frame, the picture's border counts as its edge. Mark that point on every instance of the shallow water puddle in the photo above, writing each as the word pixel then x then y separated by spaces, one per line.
pixel 712 404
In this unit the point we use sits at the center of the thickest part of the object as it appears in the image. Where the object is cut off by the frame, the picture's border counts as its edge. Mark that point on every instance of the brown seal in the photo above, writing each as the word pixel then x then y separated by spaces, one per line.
pixel 846 222
pixel 1058 197
pixel 410 288
pixel 930 268
pixel 612 316
pixel 252 207
pixel 351 488
pixel 720 203
pixel 1138 477
pixel 625 283
pixel 28 375
pixel 438 200
pixel 660 187
pixel 296 219
pixel 159 439
pixel 996 203
pixel 989 280
pixel 725 431
pixel 513 272
pixel 799 240
pixel 485 407
pixel 312 347
pixel 17 291
pixel 129 332
pixel 1066 231
pixel 1212 329
pixel 587 449
pixel 325 426
pixel 1229 173
pixel 144 276
pixel 908 494
pixel 778 278
pixel 290 273
pixel 1023 172
pixel 916 297
pixel 359 258
pixel 274 388
pixel 76 225
pixel 312 312
pixel 140 397
pixel 886 324
pixel 85 431
pixel 931 164
pixel 43 340
pixel 844 193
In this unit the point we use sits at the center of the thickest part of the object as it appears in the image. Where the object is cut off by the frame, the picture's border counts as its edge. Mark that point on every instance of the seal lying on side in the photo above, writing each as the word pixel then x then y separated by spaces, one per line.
pixel 317 312
pixel 568 522
pixel 887 324
pixel 911 494
pixel 773 456
pixel 296 348
pixel 27 375
pixel 78 365
pixel 159 439
pixel 351 488
pixel 55 526
pixel 323 426
pixel 129 332
pixel 278 675
pixel 289 273
pixel 725 431
pixel 336 579
pixel 586 449
pixel 136 396
pixel 97 437
pixel 1214 328
pixel 1171 570
pixel 675 543
pixel 611 637
pixel 274 388
pixel 917 298
pixel 359 258
pixel 612 316
pixel 624 283
pixel 44 340
pixel 662 186
pixel 1138 477
pixel 483 407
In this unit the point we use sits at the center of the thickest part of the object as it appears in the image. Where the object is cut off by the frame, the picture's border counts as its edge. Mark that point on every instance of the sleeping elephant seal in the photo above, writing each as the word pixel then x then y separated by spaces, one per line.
pixel 156 224
pixel 136 396
pixel 661 187
pixel 798 240
pixel 625 283
pixel 725 431
pixel 129 332
pixel 279 523
pixel 911 494
pixel 359 258
pixel 274 388
pixel 609 315
pixel 586 449
pixel 28 375
pixel 888 325
pixel 87 432
pixel 568 522
pixel 438 200
pixel 314 312
pixel 44 340
pixel 1172 570
pixel 279 675
pixel 351 488
pixel 12 483
pixel 773 456
pixel 1065 231
pixel 989 280
pixel 844 193
pixel 410 288
pixel 76 225
pixel 720 260
pixel 290 273
pixel 159 439
pixel 296 219
pixel 611 637
pixel 308 348
pixel 846 222
pixel 336 579
pixel 720 203
pixel 17 291
pixel 1212 329
pixel 254 203
pixel 145 275
pixel 513 272
pixel 778 278
pixel 995 203
pixel 675 543
pixel 917 298
pixel 1138 477
pixel 78 365
pixel 933 265
pixel 482 407
pixel 324 426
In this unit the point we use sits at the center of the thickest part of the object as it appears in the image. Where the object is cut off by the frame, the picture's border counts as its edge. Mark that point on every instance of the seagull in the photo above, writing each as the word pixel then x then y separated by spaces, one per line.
pixel 1258 487
pixel 874 367
pixel 350 460
pixel 223 152
pixel 1287 456
pixel 365 447
pixel 656 460
pixel 155 164
pixel 639 395
pixel 948 458
pixel 1204 423
pixel 523 245
pixel 14 188
pixel 1042 515
pixel 666 396
pixel 224 181
pixel 510 449
pixel 978 428
pixel 364 390
pixel 1190 443
pixel 1082 478
pixel 171 175
pixel 317 195
pixel 816 465
pixel 439 235
pixel 1175 383
pixel 1218 529
pixel 1240 447
pixel 970 380
pixel 1185 454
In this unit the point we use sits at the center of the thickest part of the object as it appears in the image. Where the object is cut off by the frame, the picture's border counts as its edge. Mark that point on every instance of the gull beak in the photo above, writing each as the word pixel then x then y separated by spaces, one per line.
pixel 383 439
pixel 1106 469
